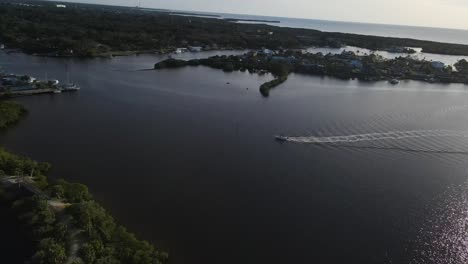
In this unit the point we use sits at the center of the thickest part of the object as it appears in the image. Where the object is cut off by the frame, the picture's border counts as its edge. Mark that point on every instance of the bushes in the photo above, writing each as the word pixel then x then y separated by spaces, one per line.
pixel 265 88
pixel 70 192
pixel 11 164
pixel 10 113
pixel 170 63
pixel 50 252
pixel 108 242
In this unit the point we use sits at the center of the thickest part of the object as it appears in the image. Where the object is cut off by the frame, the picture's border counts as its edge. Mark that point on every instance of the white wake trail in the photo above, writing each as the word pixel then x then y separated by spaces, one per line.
pixel 394 135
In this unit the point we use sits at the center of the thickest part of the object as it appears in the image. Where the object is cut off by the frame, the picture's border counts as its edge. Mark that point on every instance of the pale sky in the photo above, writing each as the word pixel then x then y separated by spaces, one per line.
pixel 431 13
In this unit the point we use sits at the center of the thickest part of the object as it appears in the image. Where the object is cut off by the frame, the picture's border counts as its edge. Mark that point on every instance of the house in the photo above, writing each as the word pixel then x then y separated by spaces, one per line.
pixel 279 59
pixel 356 64
pixel 2 46
pixel 438 65
pixel 61 6
pixel 195 49
pixel 180 50
pixel 348 54
pixel 267 52
pixel 31 79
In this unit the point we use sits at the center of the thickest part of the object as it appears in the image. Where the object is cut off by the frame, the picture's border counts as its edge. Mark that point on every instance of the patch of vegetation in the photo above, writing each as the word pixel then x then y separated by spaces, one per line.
pixel 64 216
pixel 10 113
pixel 11 164
pixel 170 63
pixel 266 87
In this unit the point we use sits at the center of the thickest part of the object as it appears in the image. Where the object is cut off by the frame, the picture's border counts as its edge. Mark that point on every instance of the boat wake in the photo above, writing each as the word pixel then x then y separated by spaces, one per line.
pixel 395 135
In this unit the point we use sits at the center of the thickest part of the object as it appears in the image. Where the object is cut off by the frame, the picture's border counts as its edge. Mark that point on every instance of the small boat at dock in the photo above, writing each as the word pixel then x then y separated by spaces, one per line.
pixel 70 87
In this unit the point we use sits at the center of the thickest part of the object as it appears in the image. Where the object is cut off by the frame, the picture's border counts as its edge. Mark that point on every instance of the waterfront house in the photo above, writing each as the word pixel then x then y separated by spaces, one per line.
pixel 438 65
pixel 267 52
pixel 195 49
pixel 2 46
pixel 357 64
pixel 180 50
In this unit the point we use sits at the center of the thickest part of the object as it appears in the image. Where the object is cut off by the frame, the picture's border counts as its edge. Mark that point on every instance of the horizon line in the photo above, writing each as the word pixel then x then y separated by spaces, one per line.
pixel 263 15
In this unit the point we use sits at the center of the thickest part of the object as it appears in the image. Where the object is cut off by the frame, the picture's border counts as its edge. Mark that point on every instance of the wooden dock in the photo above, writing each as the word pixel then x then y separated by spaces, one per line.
pixel 37 91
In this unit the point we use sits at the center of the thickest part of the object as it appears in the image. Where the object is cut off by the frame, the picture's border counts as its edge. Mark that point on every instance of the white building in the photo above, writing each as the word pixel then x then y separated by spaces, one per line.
pixel 180 50
pixel 2 46
pixel 267 52
pixel 61 6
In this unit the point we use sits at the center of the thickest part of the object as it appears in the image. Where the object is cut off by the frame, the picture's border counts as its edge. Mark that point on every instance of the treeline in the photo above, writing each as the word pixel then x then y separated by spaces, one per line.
pixel 92 30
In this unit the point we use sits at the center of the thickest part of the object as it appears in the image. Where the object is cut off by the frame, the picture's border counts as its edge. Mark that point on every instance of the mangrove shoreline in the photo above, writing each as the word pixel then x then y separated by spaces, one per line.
pixel 347 65
pixel 62 220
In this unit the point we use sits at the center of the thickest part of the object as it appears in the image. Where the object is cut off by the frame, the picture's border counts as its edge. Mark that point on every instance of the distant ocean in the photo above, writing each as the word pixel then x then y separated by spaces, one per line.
pixel 423 33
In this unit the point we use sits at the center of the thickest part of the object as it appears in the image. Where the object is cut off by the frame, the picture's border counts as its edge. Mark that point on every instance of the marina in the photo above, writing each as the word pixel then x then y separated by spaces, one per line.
pixel 24 85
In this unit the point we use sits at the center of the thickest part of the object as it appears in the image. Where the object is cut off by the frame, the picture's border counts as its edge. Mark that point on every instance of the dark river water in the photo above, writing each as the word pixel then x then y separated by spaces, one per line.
pixel 189 162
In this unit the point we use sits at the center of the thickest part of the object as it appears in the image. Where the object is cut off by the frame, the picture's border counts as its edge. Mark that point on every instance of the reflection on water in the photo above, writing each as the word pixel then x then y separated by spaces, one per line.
pixel 444 237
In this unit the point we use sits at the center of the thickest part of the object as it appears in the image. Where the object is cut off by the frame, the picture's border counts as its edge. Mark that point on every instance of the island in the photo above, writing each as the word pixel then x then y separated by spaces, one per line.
pixel 83 30
pixel 347 65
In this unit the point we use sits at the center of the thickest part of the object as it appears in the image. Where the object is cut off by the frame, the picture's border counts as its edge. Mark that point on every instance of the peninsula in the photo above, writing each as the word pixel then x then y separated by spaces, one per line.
pixel 347 65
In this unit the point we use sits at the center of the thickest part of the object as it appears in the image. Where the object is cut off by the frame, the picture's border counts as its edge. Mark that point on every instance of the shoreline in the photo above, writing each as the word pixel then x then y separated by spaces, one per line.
pixel 347 66
pixel 51 215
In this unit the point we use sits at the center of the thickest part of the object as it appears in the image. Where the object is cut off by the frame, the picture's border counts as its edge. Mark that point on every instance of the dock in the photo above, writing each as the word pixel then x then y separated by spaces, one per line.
pixel 33 91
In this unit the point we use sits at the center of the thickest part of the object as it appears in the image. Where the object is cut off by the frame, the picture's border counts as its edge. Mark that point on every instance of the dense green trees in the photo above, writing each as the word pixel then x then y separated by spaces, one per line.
pixel 108 242
pixel 100 238
pixel 462 66
pixel 266 87
pixel 91 30
pixel 10 113
pixel 11 164
pixel 50 252
pixel 70 192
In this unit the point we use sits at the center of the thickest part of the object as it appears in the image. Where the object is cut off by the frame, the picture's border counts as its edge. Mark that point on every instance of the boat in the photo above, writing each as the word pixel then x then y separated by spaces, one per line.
pixel 281 138
pixel 70 87
pixel 394 81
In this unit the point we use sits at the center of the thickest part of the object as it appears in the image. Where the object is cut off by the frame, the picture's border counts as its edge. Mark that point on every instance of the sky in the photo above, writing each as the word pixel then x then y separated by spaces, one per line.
pixel 430 13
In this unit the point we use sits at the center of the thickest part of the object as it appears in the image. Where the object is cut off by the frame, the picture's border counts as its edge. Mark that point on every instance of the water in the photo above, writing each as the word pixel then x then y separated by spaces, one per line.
pixel 16 246
pixel 445 35
pixel 447 59
pixel 189 162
